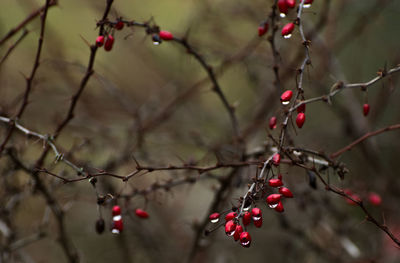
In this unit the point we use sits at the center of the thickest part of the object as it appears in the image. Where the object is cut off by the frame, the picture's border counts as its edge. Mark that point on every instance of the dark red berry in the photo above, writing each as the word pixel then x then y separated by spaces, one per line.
pixel 300 119
pixel 272 123
pixel 100 41
pixel 285 192
pixel 141 213
pixel 119 25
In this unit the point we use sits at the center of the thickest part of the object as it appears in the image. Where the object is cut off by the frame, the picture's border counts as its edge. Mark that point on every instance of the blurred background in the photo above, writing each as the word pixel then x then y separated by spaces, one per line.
pixel 155 104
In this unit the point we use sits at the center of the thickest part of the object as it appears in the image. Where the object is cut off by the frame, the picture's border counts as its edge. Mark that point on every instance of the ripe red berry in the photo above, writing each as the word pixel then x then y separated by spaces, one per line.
pixel 246 218
pixel 366 109
pixel 374 199
pixel 283 7
pixel 141 213
pixel 109 43
pixel 165 35
pixel 291 3
pixel 307 3
pixel 117 226
pixel 230 216
pixel 230 228
pixel 214 217
pixel 287 30
pixel 100 41
pixel 119 25
pixel 279 208
pixel 276 160
pixel 273 199
pixel 258 223
pixel 301 108
pixel 285 192
pixel 300 119
pixel 263 29
pixel 274 182
pixel 286 96
pixel 256 213
pixel 272 123
pixel 356 197
pixel 116 210
pixel 245 239
pixel 238 231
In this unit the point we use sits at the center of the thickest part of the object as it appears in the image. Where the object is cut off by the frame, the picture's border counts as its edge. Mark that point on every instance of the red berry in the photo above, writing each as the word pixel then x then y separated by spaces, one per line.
pixel 262 29
pixel 214 217
pixel 286 96
pixel 275 182
pixel 273 199
pixel 356 197
pixel 374 199
pixel 287 30
pixel 300 119
pixel 100 41
pixel 279 208
pixel 246 218
pixel 366 109
pixel 230 216
pixel 258 223
pixel 283 7
pixel 119 25
pixel 245 239
pixel 291 3
pixel 165 35
pixel 272 123
pixel 276 160
pixel 238 231
pixel 256 213
pixel 141 213
pixel 116 210
pixel 301 108
pixel 230 228
pixel 285 192
pixel 109 43
pixel 117 226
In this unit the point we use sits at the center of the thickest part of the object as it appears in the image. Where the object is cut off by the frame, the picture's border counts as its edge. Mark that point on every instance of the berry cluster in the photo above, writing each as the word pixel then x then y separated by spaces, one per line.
pixel 117 225
pixel 232 218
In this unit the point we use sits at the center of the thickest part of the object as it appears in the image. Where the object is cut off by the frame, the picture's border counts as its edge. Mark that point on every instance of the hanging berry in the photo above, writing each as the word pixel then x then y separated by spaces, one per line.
pixel 246 218
pixel 99 41
pixel 116 210
pixel 287 30
pixel 279 208
pixel 256 213
pixel 245 239
pixel 273 200
pixel 214 217
pixel 285 192
pixel 276 159
pixel 291 3
pixel 230 216
pixel 374 199
pixel 262 29
pixel 274 182
pixel 300 119
pixel 301 108
pixel 283 8
pixel 119 25
pixel 286 96
pixel 272 122
pixel 166 35
pixel 230 228
pixel 100 226
pixel 238 231
pixel 307 3
pixel 141 213
pixel 109 43
pixel 366 109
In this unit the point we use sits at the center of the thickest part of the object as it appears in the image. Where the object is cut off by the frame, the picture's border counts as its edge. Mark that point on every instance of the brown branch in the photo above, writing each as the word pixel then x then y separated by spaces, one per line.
pixel 11 48
pixel 363 138
pixel 28 19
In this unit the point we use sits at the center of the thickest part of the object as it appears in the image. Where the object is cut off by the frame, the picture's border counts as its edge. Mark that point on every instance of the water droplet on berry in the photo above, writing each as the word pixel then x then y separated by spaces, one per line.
pixel 231 233
pixel 115 231
pixel 215 220
pixel 256 218
pixel 273 206
pixel 306 5
pixel 287 36
pixel 117 218
pixel 282 15
pixel 245 243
